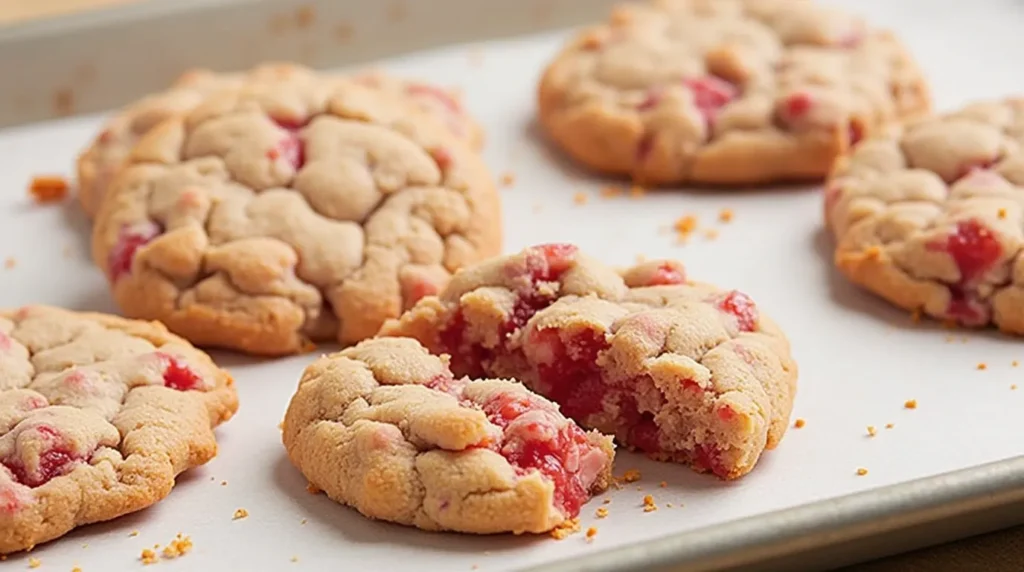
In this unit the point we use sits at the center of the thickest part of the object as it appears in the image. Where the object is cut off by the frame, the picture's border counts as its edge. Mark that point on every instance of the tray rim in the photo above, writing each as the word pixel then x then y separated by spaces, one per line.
pixel 932 510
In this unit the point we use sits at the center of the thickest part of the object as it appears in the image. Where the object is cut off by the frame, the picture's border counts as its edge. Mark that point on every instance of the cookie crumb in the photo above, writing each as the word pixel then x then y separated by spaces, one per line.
pixel 610 191
pixel 910 404
pixel 133 534
pixel 180 546
pixel 312 489
pixel 34 563
pixel 76 569
pixel 1001 213
pixel 601 512
pixel 303 521
pixel 508 179
pixel 48 189
pixel 567 528
pixel 1013 387
pixel 630 476
pixel 890 425
pixel 668 504
pixel 663 484
pixel 10 262
pixel 684 226
pixel 1014 363
pixel 580 198
pixel 982 366
pixel 649 505
pixel 223 483
pixel 725 215
pixel 148 556
pixel 800 423
pixel 591 533
pixel 861 472
pixel 606 501
pixel 240 514
pixel 636 192
pixel 295 558
pixel 872 431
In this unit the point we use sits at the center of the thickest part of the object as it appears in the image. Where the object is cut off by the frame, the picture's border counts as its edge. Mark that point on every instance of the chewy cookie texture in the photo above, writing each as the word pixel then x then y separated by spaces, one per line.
pixel 678 370
pixel 293 209
pixel 98 415
pixel 725 92
pixel 930 219
pixel 388 429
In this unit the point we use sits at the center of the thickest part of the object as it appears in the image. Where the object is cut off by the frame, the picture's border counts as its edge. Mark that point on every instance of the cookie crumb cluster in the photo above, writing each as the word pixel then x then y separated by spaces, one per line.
pixel 48 189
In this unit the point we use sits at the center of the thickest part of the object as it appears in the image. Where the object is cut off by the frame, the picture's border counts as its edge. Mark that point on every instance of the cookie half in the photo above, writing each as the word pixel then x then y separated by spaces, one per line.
pixel 298 209
pixel 678 370
pixel 106 154
pixel 725 92
pixel 930 219
pixel 385 427
pixel 98 415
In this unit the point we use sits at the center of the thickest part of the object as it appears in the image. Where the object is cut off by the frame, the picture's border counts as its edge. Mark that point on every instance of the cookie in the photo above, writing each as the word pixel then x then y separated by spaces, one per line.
pixel 98 415
pixel 679 370
pixel 106 154
pixel 930 218
pixel 386 428
pixel 725 92
pixel 287 211
pixel 443 103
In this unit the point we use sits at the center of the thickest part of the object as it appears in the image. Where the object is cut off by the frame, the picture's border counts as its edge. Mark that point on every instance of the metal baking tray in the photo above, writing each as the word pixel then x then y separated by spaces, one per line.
pixel 946 470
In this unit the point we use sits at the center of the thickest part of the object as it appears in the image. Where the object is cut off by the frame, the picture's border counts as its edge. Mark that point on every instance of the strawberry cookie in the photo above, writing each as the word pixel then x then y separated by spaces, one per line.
pixel 728 92
pixel 386 428
pixel 678 370
pixel 98 164
pixel 98 415
pixel 930 219
pixel 291 211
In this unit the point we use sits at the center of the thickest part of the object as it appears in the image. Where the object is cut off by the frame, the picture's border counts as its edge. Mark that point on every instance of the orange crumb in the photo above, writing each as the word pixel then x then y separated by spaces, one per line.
pixel 133 534
pixel 1014 363
pixel 861 472
pixel 311 489
pixel 240 514
pixel 591 533
pixel 631 476
pixel 601 512
pixel 1013 387
pixel 684 227
pixel 610 192
pixel 649 505
pixel 606 501
pixel 76 569
pixel 508 179
pixel 34 563
pixel 800 423
pixel 180 546
pixel 662 484
pixel 148 557
pixel 890 425
pixel 872 431
pixel 725 215
pixel 48 188
pixel 567 528
pixel 710 234
pixel 981 366
pixel 580 198
pixel 636 192
pixel 10 262
pixel 1002 213
pixel 910 404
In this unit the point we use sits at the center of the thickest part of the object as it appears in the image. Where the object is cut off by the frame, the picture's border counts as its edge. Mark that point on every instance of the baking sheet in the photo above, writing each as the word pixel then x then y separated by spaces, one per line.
pixel 860 360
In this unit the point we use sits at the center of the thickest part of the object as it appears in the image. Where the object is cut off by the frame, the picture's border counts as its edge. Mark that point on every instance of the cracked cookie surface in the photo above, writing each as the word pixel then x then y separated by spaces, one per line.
pixel 385 427
pixel 931 218
pixel 107 153
pixel 678 370
pixel 98 415
pixel 725 92
pixel 286 211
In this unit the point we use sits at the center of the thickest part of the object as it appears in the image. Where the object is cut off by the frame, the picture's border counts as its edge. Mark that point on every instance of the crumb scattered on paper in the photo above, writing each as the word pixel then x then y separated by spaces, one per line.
pixel 982 366
pixel 601 512
pixel 34 563
pixel 240 514
pixel 48 189
pixel 725 215
pixel 567 528
pixel 872 431
pixel 800 423
pixel 649 505
pixel 861 472
pixel 910 404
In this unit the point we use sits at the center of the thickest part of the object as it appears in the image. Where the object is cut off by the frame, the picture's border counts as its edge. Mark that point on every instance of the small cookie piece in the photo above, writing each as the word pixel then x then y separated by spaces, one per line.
pixel 445 104
pixel 307 208
pixel 930 219
pixel 386 428
pixel 678 370
pixel 725 92
pixel 98 415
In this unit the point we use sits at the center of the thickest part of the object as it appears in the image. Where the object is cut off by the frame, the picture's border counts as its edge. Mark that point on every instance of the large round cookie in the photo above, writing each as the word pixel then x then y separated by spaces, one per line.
pixel 98 415
pixel 679 370
pixel 931 218
pixel 725 91
pixel 287 211
pixel 386 428
pixel 106 154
